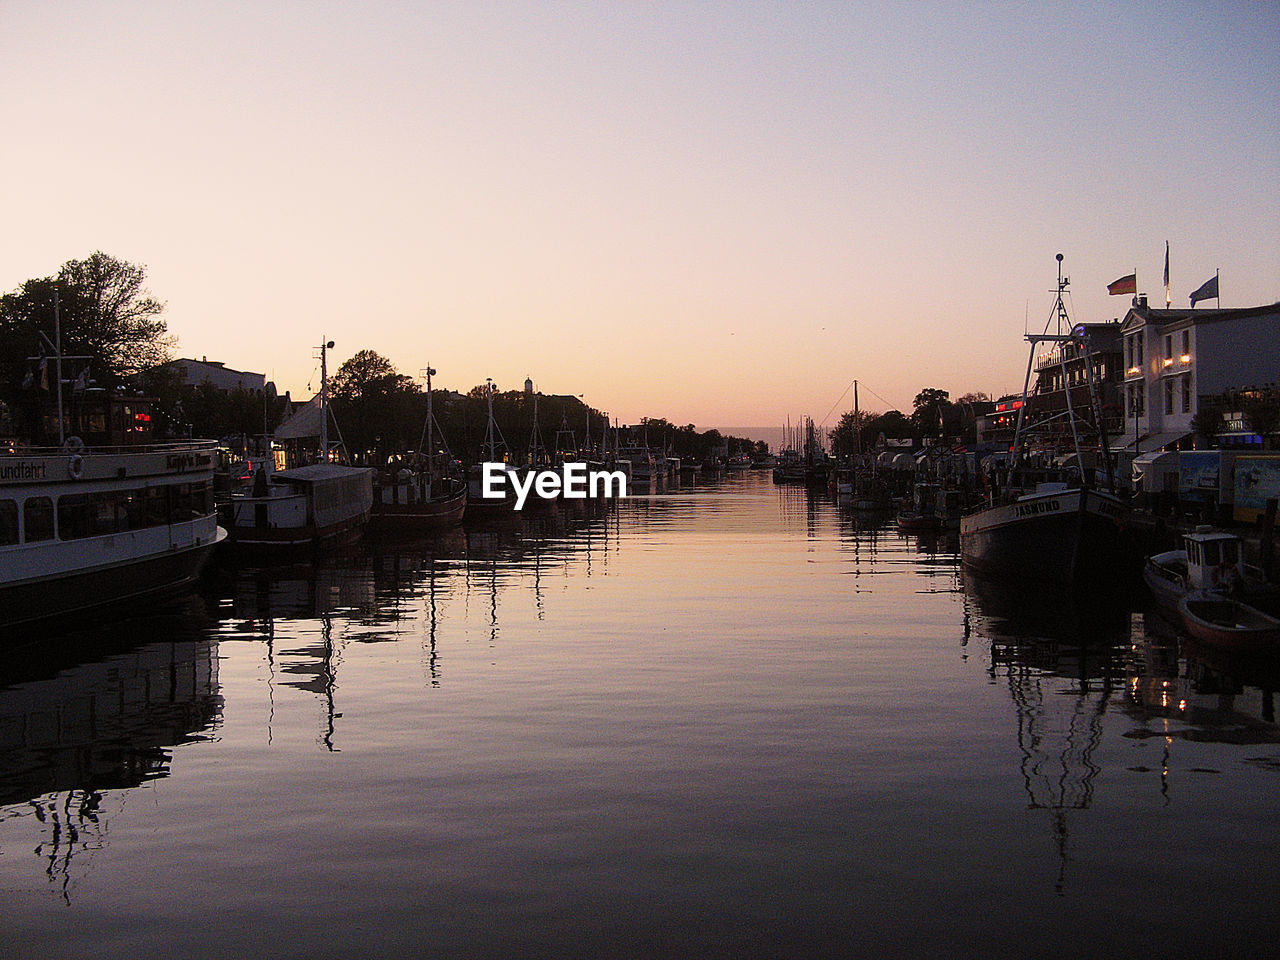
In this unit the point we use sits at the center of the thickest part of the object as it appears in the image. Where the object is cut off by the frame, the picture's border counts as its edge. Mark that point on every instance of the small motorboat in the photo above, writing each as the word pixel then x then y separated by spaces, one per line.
pixel 1229 624
pixel 1210 563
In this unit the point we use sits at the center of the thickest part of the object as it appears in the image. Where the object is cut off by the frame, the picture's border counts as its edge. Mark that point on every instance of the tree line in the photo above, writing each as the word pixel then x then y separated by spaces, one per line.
pixel 113 336
pixel 934 416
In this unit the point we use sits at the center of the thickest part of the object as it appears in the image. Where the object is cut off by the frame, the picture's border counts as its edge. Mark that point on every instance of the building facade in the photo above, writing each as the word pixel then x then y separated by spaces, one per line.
pixel 193 373
pixel 1174 359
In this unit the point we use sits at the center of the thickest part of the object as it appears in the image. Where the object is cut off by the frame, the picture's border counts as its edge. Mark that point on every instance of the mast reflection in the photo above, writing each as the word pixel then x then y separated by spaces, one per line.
pixel 91 712
pixel 1062 662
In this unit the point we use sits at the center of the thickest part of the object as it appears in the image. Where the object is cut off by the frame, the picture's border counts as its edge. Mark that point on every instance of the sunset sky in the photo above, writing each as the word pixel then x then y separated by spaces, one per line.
pixel 717 213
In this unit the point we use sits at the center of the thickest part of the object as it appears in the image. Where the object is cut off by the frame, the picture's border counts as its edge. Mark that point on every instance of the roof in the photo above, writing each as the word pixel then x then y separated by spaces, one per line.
pixel 1162 317
pixel 305 422
pixel 320 471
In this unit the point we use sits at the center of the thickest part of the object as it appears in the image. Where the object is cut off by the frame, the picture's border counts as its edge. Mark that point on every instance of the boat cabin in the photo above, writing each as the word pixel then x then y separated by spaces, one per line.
pixel 1213 559
pixel 100 418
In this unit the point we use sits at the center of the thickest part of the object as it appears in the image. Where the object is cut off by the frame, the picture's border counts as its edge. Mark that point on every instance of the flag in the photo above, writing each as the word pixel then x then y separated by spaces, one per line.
pixel 1206 291
pixel 1167 299
pixel 1127 284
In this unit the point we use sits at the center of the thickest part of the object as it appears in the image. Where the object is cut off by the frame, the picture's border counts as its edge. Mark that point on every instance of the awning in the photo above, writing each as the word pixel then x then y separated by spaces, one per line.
pixel 1148 442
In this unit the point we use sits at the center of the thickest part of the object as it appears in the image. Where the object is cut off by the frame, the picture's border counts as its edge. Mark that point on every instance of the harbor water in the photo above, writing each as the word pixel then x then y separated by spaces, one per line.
pixel 723 720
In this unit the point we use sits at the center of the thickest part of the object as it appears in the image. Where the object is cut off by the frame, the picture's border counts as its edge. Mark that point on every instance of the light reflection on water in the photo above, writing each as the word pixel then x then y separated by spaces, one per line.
pixel 727 721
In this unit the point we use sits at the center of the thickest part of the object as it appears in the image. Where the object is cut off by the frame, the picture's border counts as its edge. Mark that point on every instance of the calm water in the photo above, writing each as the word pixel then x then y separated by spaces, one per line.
pixel 730 721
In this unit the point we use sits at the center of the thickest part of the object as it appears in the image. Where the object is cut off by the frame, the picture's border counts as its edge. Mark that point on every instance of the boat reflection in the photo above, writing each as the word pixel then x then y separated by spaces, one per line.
pixel 1069 663
pixel 90 712
pixel 1063 663
pixel 308 616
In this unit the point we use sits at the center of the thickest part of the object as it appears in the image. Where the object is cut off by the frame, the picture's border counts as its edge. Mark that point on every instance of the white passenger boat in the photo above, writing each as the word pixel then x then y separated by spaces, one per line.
pixel 89 526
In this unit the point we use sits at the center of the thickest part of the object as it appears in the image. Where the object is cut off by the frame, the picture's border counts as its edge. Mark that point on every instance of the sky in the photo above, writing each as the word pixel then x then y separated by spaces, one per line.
pixel 717 213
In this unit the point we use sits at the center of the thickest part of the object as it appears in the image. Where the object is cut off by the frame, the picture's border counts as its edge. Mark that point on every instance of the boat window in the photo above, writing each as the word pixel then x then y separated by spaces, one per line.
pixel 1212 553
pixel 129 514
pixel 180 503
pixel 73 516
pixel 102 513
pixel 201 500
pixel 8 522
pixel 37 519
pixel 156 506
pixel 1230 552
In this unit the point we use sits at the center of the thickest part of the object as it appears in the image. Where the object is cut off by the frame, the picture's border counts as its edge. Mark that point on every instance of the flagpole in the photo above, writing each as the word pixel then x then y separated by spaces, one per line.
pixel 1217 287
pixel 1168 299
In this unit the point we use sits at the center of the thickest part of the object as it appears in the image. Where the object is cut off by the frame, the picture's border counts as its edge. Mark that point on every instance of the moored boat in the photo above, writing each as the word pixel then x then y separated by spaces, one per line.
pixel 315 505
pixel 1209 561
pixel 84 527
pixel 318 505
pixel 1058 529
pixel 428 494
pixel 1229 624
pixel 1055 535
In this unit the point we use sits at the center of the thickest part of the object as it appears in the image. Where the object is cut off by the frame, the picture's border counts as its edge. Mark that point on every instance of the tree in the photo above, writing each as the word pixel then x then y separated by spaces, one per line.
pixel 930 408
pixel 894 425
pixel 104 311
pixel 1262 413
pixel 854 433
pixel 379 412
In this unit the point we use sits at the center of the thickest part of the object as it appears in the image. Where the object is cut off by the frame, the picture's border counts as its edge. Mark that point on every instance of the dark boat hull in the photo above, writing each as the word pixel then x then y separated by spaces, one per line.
pixel 426 515
pixel 1063 537
pixel 109 587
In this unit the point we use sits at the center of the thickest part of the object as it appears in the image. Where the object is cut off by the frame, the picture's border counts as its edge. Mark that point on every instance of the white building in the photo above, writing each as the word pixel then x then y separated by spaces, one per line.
pixel 1174 358
pixel 193 373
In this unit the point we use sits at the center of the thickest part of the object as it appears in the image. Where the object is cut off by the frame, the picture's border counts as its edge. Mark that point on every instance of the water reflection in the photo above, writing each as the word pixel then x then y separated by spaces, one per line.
pixel 393 590
pixel 1068 662
pixel 1063 662
pixel 92 711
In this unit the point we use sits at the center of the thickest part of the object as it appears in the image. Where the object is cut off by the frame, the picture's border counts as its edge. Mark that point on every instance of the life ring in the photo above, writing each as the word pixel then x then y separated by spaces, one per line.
pixel 73 445
pixel 75 466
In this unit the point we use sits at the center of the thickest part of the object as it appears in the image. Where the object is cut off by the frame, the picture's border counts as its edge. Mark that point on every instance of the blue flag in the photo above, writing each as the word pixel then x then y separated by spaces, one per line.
pixel 1207 291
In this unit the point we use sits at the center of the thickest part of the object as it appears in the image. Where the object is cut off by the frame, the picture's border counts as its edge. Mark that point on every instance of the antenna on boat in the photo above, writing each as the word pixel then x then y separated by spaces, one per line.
pixel 324 401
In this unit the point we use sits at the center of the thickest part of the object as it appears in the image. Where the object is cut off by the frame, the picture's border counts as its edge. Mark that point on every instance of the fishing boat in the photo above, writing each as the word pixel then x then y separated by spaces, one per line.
pixel 423 494
pixel 1050 525
pixel 921 515
pixel 644 465
pixel 316 505
pixel 1229 624
pixel 479 505
pixel 102 518
pixel 1209 562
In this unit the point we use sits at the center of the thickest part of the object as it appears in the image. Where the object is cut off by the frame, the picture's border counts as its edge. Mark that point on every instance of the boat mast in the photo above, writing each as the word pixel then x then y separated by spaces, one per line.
pixel 489 430
pixel 857 431
pixel 1066 339
pixel 324 401
pixel 57 351
pixel 431 444
pixel 1061 339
